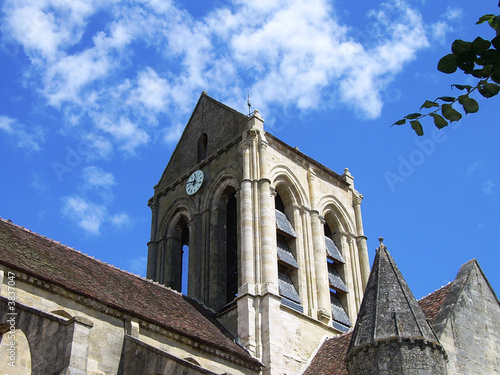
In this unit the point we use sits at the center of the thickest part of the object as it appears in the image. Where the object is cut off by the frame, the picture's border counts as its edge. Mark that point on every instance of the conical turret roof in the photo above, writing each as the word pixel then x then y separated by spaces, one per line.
pixel 389 310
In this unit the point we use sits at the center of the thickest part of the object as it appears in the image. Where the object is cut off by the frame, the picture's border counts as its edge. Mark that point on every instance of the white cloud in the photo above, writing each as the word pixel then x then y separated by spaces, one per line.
pixel 37 182
pixel 42 27
pixel 22 138
pixel 475 167
pixel 439 31
pixel 489 187
pixel 294 54
pixel 152 91
pixel 96 179
pixel 453 13
pixel 91 216
pixel 87 215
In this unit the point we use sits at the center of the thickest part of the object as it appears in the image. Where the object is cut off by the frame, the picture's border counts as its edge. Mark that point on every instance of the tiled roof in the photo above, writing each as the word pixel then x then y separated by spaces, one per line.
pixel 58 264
pixel 330 357
pixel 432 303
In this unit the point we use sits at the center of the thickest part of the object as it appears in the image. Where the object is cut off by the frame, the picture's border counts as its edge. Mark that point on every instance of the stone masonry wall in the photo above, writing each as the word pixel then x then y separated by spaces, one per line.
pixel 401 358
pixel 472 333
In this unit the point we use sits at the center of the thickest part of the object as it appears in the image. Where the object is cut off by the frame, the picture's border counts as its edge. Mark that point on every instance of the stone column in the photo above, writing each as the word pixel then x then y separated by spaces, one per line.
pixel 246 224
pixel 356 271
pixel 79 346
pixel 321 268
pixel 152 244
pixel 361 240
pixel 267 225
pixel 248 324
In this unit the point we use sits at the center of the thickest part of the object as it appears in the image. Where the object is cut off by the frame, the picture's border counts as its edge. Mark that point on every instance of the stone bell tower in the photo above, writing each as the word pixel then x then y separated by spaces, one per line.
pixel 265 236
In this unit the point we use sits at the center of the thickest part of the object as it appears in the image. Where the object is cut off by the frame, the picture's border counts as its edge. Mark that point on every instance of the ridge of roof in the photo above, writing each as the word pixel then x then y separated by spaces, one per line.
pixel 81 274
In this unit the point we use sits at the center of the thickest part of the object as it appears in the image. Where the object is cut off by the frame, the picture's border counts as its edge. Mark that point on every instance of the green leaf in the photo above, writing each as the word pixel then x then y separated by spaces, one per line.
pixel 415 125
pixel 450 113
pixel 488 89
pixel 412 116
pixel 480 73
pixel 446 98
pixel 463 87
pixel 400 122
pixel 439 121
pixel 459 46
pixel 496 42
pixel 480 45
pixel 429 104
pixel 448 64
pixel 491 56
pixel 467 67
pixel 495 73
pixel 470 105
pixel 485 18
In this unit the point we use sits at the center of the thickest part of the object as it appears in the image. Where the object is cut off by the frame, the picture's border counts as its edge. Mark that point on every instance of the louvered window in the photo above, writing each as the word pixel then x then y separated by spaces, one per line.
pixel 287 263
pixel 338 289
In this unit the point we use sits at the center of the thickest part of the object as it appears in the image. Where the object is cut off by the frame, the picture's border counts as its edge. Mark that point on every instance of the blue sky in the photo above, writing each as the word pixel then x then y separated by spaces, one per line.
pixel 95 94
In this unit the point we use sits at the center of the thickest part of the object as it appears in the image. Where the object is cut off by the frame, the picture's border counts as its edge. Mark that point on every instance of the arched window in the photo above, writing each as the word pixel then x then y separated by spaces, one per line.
pixel 15 359
pixel 225 252
pixel 287 262
pixel 202 147
pixel 176 260
pixel 336 277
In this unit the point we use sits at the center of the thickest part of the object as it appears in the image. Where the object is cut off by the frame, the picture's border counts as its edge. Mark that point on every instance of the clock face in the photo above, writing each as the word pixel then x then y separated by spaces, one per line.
pixel 194 182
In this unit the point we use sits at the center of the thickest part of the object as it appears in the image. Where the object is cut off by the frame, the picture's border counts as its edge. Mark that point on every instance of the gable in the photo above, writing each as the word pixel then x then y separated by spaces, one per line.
pixel 467 324
pixel 221 125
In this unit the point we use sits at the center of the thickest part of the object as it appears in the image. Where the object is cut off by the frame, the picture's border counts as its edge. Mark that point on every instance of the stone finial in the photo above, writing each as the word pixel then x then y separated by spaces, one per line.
pixel 347 177
pixel 381 246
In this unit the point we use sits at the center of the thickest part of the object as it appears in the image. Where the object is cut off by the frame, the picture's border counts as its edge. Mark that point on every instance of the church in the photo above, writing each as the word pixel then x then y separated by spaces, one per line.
pixel 257 264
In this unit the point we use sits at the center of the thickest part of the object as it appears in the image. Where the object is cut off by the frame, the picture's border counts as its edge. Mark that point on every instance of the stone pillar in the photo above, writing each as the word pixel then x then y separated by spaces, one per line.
pixel 152 244
pixel 267 225
pixel 79 346
pixel 246 224
pixel 361 240
pixel 356 271
pixel 248 315
pixel 321 268
pixel 271 332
